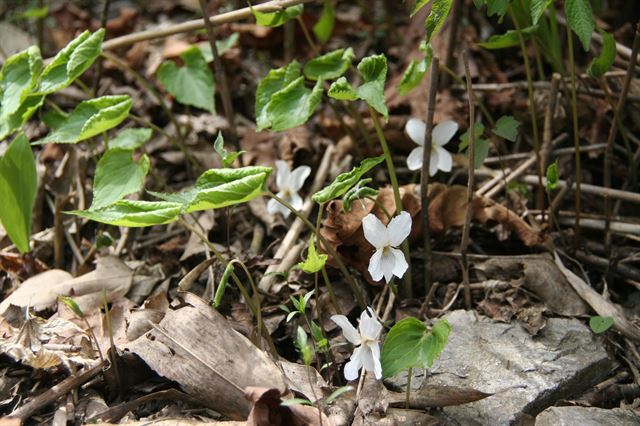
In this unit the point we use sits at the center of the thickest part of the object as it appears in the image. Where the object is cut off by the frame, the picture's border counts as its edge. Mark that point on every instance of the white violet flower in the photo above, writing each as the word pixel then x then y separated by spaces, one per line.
pixel 288 183
pixel 387 260
pixel 365 338
pixel 440 158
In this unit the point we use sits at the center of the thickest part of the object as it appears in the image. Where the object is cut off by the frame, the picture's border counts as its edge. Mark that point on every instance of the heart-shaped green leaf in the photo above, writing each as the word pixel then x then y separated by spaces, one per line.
pixel 292 106
pixel 277 18
pixel 415 71
pixel 507 128
pixel 329 66
pixel 276 80
pixel 580 20
pixel 314 261
pixel 117 175
pixel 133 213
pixel 600 324
pixel 342 90
pixel 90 118
pixel 374 71
pixel 344 181
pixel 324 27
pixel 18 185
pixel 130 139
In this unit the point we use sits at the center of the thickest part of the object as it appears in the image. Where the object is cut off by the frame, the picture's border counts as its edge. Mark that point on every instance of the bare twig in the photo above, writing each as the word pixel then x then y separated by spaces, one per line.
pixel 631 197
pixel 467 217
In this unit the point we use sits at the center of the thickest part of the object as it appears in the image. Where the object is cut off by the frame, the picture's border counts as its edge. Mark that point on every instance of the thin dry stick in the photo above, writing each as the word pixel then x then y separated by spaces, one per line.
pixel 608 153
pixel 456 10
pixel 221 76
pixel 547 131
pixel 576 140
pixel 467 217
pixel 198 24
pixel 424 177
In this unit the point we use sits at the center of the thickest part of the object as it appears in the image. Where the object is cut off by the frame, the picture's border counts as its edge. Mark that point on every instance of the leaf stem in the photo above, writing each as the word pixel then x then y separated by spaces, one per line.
pixel 408 391
pixel 307 36
pixel 325 276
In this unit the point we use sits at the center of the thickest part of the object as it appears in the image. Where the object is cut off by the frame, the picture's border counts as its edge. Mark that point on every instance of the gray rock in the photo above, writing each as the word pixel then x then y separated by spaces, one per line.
pixel 587 416
pixel 527 374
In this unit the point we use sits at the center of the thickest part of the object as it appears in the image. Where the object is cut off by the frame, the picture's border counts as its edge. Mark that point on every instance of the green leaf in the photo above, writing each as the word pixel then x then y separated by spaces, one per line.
pixel 580 20
pixel 497 7
pixel 324 27
pixel 276 80
pixel 18 185
pixel 71 61
pixel 71 304
pixel 90 118
pixel 358 192
pixel 603 62
pixel 293 105
pixel 227 157
pixel 439 12
pixel 481 145
pixel 336 393
pixel 18 78
pixel 414 73
pixel 295 401
pixel 329 66
pixel 117 175
pixel 222 285
pixel 537 9
pixel 507 128
pixel 600 324
pixel 419 4
pixel 410 344
pixel 344 181
pixel 314 261
pixel 133 213
pixel 130 139
pixel 275 19
pixel 553 176
pixel 222 45
pixel 342 90
pixel 17 119
pixel 217 188
pixel 191 84
pixel 374 71
pixel 508 39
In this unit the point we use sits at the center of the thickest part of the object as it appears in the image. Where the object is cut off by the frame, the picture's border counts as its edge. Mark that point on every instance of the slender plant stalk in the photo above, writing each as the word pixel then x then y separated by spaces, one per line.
pixel 576 139
pixel 547 130
pixel 325 276
pixel 256 297
pixel 608 153
pixel 454 22
pixel 424 176
pixel 345 272
pixel 407 288
pixel 112 352
pixel 355 114
pixel 477 100
pixel 307 36
pixel 532 109
pixel 464 245
pixel 103 24
pixel 221 76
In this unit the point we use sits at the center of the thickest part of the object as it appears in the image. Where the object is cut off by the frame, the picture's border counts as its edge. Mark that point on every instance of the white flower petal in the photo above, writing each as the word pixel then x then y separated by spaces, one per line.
pixel 400 265
pixel 433 161
pixel 399 228
pixel 352 368
pixel 374 265
pixel 415 128
pixel 443 132
pixel 414 160
pixel 274 207
pixel 374 231
pixel 348 330
pixel 367 358
pixel 295 200
pixel 387 264
pixel 375 354
pixel 445 160
pixel 298 176
pixel 283 172
pixel 369 326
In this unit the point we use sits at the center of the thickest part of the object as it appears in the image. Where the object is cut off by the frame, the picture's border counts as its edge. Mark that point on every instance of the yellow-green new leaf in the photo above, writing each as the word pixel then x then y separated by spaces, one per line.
pixel 133 213
pixel 344 181
pixel 130 139
pixel 292 106
pixel 277 18
pixel 374 71
pixel 342 90
pixel 18 185
pixel 314 261
pixel 324 27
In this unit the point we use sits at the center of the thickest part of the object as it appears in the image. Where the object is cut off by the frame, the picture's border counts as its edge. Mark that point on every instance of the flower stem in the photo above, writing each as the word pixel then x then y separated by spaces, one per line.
pixel 408 393
pixel 576 139
pixel 325 276
pixel 407 289
pixel 307 36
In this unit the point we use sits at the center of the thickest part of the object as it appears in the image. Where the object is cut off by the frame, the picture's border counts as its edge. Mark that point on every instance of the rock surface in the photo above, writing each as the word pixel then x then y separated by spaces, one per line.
pixel 587 416
pixel 527 374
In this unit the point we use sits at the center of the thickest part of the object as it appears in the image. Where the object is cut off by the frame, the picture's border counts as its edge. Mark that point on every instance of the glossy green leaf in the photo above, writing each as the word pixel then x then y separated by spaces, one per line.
pixel 223 46
pixel 508 39
pixel 344 181
pixel 117 175
pixel 18 78
pixel 71 61
pixel 276 80
pixel 293 105
pixel 217 188
pixel 580 19
pixel 324 27
pixel 90 118
pixel 481 145
pixel 130 139
pixel 222 285
pixel 191 84
pixel 415 71
pixel 410 344
pixel 18 185
pixel 418 5
pixel 329 66
pixel 275 19
pixel 507 128
pixel 374 72
pixel 315 261
pixel 537 9
pixel 133 213
pixel 603 62
pixel 553 176
pixel 497 7
pixel 342 90
pixel 227 157
pixel 439 11
pixel 600 324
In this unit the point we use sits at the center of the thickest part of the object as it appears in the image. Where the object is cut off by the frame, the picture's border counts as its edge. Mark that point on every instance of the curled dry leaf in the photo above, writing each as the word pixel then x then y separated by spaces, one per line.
pixel 343 230
pixel 267 410
pixel 430 396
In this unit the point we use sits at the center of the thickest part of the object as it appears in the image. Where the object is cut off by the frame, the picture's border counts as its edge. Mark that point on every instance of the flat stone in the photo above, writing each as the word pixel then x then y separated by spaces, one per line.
pixel 526 373
pixel 587 416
